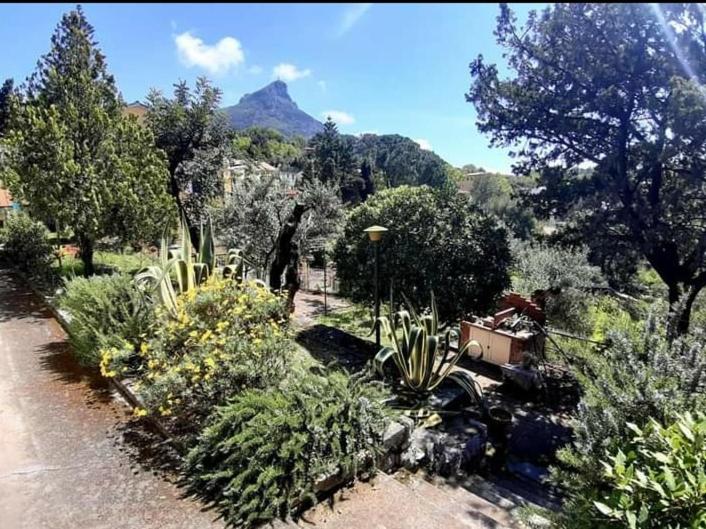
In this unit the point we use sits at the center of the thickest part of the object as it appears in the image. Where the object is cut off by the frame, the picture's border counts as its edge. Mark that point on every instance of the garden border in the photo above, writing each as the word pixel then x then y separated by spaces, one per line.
pixel 322 486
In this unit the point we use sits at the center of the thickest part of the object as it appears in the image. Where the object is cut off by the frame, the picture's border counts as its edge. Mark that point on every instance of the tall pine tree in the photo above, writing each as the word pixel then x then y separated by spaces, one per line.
pixel 332 161
pixel 6 92
pixel 74 157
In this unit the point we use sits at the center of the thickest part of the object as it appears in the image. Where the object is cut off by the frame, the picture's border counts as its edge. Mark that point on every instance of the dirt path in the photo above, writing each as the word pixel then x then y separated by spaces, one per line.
pixel 309 305
pixel 67 458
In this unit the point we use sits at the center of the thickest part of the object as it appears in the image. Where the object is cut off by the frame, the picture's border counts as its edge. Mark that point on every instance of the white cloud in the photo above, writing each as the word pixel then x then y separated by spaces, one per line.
pixel 350 16
pixel 424 144
pixel 322 85
pixel 340 117
pixel 289 72
pixel 217 58
pixel 255 69
pixel 363 133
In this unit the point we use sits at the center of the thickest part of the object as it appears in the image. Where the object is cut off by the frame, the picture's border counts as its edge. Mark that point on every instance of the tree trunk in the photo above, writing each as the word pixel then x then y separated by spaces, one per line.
pixel 681 301
pixel 194 231
pixel 86 246
pixel 291 277
pixel 287 251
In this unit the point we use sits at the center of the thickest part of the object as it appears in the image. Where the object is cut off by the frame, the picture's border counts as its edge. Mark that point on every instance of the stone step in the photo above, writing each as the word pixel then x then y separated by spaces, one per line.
pixel 403 501
pixel 461 503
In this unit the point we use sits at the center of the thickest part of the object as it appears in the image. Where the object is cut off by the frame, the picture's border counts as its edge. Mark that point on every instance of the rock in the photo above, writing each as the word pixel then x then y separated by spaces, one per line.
pixel 394 437
pixel 327 481
pixel 415 454
pixel 408 424
pixel 460 446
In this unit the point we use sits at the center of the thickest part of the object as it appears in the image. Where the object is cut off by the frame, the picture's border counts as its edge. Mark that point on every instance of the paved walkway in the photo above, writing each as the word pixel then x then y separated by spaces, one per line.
pixel 66 455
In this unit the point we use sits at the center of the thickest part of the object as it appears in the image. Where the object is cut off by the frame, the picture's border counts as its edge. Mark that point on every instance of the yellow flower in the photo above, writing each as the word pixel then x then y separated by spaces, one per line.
pixel 194 334
pixel 206 335
pixel 144 347
pixel 139 412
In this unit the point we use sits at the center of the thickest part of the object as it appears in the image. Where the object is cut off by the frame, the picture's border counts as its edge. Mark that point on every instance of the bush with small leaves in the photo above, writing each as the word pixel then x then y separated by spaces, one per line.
pixel 27 245
pixel 226 338
pixel 639 378
pixel 436 241
pixel 566 274
pixel 105 311
pixel 261 454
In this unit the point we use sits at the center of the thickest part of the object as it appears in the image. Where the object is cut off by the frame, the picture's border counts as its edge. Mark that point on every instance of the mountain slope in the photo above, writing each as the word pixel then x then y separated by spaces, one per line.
pixel 272 107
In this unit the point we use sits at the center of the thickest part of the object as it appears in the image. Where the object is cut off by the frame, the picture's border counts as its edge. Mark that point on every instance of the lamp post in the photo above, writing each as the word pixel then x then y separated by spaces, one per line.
pixel 375 234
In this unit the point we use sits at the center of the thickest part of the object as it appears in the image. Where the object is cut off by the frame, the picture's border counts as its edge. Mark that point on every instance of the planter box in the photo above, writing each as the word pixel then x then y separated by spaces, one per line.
pixel 499 346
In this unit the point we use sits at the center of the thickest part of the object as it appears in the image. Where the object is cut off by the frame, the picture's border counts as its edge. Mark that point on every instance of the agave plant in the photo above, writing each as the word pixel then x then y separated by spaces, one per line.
pixel 188 272
pixel 235 266
pixel 422 355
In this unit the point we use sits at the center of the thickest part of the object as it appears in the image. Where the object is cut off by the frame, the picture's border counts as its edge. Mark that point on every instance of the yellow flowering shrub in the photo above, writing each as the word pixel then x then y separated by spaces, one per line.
pixel 226 337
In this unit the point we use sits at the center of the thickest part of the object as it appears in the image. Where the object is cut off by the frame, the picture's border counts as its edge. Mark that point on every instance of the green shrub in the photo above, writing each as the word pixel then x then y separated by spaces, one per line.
pixel 226 338
pixel 566 273
pixel 437 241
pixel 657 480
pixel 27 245
pixel 640 377
pixel 106 311
pixel 262 453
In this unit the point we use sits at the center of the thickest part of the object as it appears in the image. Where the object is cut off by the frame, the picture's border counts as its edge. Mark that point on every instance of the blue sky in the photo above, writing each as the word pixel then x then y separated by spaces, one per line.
pixel 383 68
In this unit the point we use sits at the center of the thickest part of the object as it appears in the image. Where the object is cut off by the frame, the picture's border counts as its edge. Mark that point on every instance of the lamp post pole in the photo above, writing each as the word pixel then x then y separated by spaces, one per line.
pixel 376 244
pixel 375 234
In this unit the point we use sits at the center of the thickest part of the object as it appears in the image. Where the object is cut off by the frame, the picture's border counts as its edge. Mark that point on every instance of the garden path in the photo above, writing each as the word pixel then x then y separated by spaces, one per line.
pixel 66 450
pixel 308 305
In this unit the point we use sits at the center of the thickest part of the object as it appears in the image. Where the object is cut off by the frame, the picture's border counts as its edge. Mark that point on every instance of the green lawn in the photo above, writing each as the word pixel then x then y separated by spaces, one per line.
pixel 356 320
pixel 123 262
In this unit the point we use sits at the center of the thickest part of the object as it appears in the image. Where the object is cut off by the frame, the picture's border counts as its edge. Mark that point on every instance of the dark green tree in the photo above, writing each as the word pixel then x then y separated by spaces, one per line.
pixel 73 156
pixel 437 241
pixel 331 160
pixel 6 91
pixel 618 87
pixel 192 132
pixel 396 160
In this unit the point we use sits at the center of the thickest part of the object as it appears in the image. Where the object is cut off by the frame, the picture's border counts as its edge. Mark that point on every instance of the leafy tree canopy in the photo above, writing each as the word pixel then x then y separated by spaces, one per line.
pixel 436 241
pixel 267 145
pixel 73 156
pixel 6 92
pixel 397 160
pixel 501 195
pixel 618 88
pixel 194 135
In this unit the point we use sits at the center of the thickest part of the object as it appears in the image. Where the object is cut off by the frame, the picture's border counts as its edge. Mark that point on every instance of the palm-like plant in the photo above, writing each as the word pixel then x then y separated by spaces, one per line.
pixel 422 355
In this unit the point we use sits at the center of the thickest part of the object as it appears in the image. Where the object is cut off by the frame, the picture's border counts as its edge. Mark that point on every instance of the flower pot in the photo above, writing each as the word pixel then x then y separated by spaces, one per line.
pixel 499 421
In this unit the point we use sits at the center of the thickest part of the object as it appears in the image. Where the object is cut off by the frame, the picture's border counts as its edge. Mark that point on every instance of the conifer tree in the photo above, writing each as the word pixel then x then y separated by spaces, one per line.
pixel 73 156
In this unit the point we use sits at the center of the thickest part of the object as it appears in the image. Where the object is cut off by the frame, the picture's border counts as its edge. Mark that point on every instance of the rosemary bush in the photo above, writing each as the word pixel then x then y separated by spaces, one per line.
pixel 262 453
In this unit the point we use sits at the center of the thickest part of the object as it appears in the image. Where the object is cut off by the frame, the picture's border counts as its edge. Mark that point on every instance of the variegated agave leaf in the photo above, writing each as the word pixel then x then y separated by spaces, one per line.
pixel 423 358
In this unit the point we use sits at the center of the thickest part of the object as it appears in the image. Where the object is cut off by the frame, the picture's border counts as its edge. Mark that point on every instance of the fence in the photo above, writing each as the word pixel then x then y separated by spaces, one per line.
pixel 315 279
